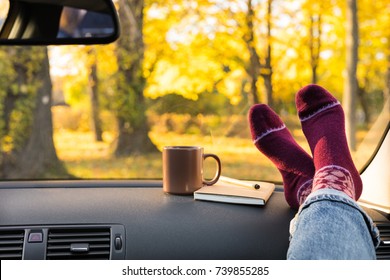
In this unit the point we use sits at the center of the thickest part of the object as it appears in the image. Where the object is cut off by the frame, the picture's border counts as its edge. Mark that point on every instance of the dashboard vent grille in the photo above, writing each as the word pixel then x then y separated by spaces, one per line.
pixel 11 244
pixel 383 251
pixel 78 243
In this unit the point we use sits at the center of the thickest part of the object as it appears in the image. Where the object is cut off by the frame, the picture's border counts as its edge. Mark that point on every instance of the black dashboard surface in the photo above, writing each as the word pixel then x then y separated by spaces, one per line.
pixel 157 225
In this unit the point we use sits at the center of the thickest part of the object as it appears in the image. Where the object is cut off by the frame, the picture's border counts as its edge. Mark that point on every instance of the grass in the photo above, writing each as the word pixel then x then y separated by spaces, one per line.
pixel 86 158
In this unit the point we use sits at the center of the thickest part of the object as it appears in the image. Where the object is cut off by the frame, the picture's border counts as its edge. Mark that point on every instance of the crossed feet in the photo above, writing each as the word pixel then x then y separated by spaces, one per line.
pixel 323 124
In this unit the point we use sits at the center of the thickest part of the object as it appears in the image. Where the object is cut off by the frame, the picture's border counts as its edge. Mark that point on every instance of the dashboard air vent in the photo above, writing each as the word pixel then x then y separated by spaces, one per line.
pixel 11 244
pixel 78 243
pixel 383 251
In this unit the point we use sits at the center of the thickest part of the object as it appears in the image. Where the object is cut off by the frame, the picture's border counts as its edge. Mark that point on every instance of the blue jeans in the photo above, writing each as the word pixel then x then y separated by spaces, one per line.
pixel 330 225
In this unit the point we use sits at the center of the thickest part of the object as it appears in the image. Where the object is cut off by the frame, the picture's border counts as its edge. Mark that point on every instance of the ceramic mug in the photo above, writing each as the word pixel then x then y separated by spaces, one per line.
pixel 183 169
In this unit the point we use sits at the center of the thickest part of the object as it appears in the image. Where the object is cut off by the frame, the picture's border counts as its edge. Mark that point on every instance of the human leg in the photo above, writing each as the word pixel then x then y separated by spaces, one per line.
pixel 273 139
pixel 323 124
pixel 330 224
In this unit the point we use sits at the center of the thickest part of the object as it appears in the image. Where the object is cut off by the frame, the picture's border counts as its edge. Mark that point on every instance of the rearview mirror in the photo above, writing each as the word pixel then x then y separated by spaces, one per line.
pixel 57 22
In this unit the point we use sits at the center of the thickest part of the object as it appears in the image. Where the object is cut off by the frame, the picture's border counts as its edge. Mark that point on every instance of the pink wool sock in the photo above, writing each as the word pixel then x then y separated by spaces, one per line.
pixel 322 119
pixel 273 139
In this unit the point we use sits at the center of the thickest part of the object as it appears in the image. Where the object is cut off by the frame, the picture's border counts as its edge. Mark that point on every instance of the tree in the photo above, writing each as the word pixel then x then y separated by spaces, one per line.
pixel 386 91
pixel 267 70
pixel 227 48
pixel 182 54
pixel 130 104
pixel 94 89
pixel 86 80
pixel 32 154
pixel 315 43
pixel 351 85
pixel 255 67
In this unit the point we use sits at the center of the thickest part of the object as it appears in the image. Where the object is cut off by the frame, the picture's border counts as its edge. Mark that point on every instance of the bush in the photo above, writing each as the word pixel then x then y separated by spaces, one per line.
pixel 230 126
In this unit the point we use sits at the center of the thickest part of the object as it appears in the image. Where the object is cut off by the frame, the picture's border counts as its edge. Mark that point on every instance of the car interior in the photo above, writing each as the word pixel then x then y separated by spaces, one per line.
pixel 130 217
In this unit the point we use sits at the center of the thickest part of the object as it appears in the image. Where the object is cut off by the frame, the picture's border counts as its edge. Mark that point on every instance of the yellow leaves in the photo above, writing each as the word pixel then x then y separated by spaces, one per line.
pixel 106 59
pixel 231 86
pixel 7 144
pixel 184 76
pixel 193 47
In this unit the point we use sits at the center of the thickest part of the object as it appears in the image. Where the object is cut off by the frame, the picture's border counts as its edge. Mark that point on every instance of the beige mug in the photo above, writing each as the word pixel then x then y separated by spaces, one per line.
pixel 183 169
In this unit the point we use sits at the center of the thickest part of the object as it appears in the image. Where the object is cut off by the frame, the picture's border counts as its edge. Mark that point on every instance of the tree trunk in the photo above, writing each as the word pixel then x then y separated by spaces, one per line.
pixel 268 98
pixel 315 45
pixel 386 91
pixel 364 100
pixel 266 71
pixel 254 59
pixel 133 126
pixel 350 88
pixel 94 85
pixel 255 68
pixel 38 157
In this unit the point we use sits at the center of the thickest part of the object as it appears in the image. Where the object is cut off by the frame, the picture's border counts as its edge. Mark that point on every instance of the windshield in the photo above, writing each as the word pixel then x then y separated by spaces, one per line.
pixel 186 73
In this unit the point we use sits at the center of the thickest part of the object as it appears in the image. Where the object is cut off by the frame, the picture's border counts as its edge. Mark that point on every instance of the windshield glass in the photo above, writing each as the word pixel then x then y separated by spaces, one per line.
pixel 186 73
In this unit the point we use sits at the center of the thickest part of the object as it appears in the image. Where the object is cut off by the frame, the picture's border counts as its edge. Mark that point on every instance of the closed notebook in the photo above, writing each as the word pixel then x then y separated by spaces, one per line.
pixel 235 191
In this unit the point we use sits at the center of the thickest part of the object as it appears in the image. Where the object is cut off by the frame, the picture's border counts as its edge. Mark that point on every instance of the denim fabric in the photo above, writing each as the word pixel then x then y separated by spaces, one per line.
pixel 330 225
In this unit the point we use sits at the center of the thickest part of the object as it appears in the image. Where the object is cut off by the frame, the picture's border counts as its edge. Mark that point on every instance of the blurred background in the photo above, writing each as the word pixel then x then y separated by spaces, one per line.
pixel 186 72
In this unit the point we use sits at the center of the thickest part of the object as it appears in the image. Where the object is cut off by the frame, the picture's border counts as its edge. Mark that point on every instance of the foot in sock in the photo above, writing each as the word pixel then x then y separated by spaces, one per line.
pixel 273 139
pixel 323 124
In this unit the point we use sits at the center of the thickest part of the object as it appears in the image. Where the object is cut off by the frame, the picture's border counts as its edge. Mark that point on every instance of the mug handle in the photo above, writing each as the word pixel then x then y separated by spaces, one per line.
pixel 217 174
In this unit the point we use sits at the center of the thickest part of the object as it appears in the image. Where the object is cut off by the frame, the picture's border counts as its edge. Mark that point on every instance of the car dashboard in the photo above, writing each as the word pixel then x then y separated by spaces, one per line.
pixel 117 219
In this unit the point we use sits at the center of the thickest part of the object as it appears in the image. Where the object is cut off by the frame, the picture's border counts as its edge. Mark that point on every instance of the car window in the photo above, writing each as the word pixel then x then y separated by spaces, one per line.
pixel 186 73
